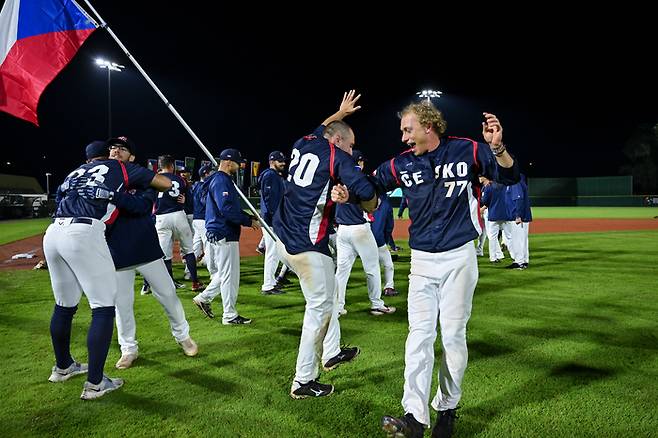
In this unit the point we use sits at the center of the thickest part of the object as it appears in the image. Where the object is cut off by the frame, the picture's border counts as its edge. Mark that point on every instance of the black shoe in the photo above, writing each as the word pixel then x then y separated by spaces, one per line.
pixel 390 292
pixel 204 307
pixel 525 265
pixel 310 389
pixel 406 426
pixel 282 281
pixel 515 266
pixel 445 424
pixel 179 285
pixel 238 320
pixel 346 354
pixel 273 291
pixel 146 289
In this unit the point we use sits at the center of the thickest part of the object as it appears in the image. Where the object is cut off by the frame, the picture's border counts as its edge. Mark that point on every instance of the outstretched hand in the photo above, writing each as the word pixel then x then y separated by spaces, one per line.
pixel 492 130
pixel 347 105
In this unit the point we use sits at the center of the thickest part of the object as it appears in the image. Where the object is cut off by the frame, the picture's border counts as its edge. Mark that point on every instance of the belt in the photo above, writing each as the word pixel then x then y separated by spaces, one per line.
pixel 76 220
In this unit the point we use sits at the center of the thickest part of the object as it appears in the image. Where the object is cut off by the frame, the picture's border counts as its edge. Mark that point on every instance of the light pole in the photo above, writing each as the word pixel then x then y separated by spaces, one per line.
pixel 110 66
pixel 429 94
pixel 48 183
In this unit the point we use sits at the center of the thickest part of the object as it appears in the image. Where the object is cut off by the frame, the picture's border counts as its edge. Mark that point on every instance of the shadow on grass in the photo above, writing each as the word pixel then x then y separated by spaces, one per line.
pixel 561 379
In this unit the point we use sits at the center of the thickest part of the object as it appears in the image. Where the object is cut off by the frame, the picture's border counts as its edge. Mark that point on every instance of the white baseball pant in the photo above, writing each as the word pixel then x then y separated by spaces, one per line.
pixel 164 291
pixel 79 260
pixel 271 262
pixel 172 226
pixel 200 243
pixel 493 228
pixel 316 278
pixel 519 242
pixel 441 285
pixel 227 278
pixel 353 240
pixel 386 262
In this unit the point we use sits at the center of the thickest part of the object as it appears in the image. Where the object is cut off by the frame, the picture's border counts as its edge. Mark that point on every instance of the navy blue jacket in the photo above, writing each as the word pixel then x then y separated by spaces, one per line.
pixel 382 224
pixel 224 213
pixel 303 220
pixel 442 190
pixel 133 239
pixel 110 174
pixel 518 201
pixel 167 202
pixel 272 187
pixel 493 197
pixel 199 192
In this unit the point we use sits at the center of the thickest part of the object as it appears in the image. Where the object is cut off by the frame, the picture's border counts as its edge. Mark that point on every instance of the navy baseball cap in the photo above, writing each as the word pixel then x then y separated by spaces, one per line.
pixel 358 155
pixel 277 156
pixel 122 141
pixel 232 155
pixel 205 170
pixel 97 149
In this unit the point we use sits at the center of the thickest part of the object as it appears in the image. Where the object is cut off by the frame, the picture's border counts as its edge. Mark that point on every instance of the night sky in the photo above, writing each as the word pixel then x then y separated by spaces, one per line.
pixel 568 92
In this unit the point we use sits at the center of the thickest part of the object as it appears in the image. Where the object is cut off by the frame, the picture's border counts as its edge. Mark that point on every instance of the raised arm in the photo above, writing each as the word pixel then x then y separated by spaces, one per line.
pixel 492 131
pixel 346 107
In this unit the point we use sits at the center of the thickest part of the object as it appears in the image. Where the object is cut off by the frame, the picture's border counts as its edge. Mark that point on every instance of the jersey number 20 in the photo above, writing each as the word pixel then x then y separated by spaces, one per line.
pixel 303 174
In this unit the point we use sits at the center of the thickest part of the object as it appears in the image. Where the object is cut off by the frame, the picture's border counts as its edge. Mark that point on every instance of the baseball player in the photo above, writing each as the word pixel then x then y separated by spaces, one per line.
pixel 200 242
pixel 79 261
pixel 493 197
pixel 301 223
pixel 134 245
pixel 518 202
pixel 171 220
pixel 271 193
pixel 439 177
pixel 354 238
pixel 224 216
pixel 382 226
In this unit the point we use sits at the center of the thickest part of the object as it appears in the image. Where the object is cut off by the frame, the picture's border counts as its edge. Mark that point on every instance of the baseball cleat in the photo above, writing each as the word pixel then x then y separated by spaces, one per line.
pixel 61 375
pixel 146 289
pixel 273 291
pixel 445 424
pixel 310 389
pixel 179 285
pixel 204 307
pixel 126 360
pixel 238 320
pixel 190 348
pixel 384 310
pixel 405 427
pixel 91 391
pixel 390 292
pixel 197 286
pixel 346 355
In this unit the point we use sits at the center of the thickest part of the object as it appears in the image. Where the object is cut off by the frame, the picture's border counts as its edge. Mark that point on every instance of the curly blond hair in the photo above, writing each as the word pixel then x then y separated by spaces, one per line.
pixel 427 115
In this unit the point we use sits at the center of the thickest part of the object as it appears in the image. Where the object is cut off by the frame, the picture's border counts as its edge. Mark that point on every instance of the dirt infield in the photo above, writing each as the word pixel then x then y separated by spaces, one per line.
pixel 250 238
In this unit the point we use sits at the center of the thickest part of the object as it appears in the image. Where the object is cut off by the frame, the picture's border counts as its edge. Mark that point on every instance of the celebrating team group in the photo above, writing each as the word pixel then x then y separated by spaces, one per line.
pixel 323 215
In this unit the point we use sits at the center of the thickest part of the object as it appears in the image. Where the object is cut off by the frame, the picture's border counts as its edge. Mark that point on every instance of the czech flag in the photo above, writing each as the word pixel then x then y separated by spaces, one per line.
pixel 38 38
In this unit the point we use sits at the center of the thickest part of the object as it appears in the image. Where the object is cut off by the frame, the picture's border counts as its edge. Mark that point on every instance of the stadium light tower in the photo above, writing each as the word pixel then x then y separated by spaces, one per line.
pixel 429 94
pixel 110 66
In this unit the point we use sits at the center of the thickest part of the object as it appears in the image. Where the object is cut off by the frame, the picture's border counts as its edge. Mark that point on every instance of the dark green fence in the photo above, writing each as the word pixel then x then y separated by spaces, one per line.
pixel 585 191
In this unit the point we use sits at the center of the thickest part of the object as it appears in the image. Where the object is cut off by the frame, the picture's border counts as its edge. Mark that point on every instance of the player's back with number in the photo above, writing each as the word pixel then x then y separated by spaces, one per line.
pixel 303 220
pixel 167 202
pixel 108 174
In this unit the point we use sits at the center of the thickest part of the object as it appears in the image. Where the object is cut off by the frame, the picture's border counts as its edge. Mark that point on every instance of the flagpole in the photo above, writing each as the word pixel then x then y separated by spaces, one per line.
pixel 198 141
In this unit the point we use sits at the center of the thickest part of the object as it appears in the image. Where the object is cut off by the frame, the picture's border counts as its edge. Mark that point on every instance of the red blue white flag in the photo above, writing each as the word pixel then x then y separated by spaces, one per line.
pixel 38 38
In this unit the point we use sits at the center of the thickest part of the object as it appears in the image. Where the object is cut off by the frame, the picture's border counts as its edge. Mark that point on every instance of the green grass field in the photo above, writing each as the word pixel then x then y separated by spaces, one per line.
pixel 13 230
pixel 567 348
